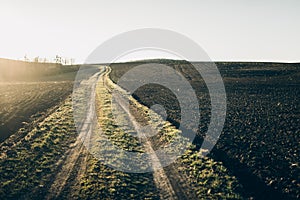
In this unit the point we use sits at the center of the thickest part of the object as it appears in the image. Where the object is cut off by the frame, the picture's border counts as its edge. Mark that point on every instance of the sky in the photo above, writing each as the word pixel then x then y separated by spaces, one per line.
pixel 231 30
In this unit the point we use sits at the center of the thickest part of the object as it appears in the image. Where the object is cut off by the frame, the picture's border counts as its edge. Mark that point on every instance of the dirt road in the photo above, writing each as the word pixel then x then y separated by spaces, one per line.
pixel 69 161
pixel 72 166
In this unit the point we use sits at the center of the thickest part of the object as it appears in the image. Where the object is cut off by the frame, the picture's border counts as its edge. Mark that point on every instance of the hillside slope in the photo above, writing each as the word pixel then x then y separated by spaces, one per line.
pixel 13 70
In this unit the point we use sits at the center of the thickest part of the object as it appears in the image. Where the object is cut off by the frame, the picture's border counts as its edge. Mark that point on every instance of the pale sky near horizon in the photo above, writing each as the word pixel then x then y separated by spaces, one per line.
pixel 231 30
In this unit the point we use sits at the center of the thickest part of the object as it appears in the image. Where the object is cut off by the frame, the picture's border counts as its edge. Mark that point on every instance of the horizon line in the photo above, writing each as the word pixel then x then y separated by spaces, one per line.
pixel 148 59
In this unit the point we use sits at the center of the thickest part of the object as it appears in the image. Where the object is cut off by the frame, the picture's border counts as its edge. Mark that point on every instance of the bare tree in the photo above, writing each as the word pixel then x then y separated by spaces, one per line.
pixel 36 59
pixel 72 60
pixel 26 58
pixel 58 59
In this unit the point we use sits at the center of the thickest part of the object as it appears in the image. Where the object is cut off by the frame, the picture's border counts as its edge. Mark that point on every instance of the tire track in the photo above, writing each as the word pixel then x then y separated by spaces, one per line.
pixel 162 181
pixel 160 178
pixel 76 149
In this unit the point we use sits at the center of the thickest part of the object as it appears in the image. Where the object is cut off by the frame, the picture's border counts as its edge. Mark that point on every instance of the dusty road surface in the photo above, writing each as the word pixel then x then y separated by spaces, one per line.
pixel 73 165
pixel 76 157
